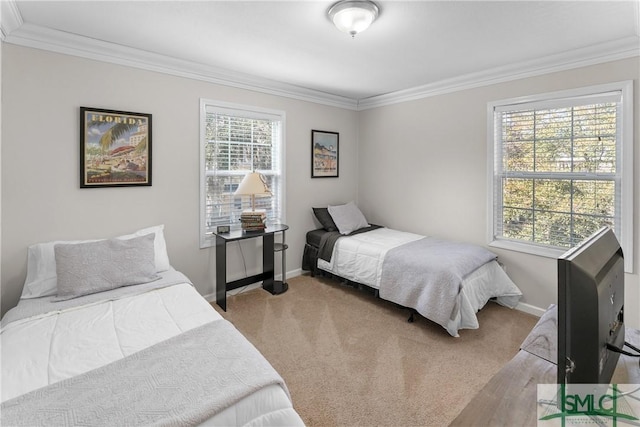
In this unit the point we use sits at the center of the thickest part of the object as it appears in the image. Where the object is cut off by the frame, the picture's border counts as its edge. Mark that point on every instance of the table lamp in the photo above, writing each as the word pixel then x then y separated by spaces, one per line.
pixel 253 184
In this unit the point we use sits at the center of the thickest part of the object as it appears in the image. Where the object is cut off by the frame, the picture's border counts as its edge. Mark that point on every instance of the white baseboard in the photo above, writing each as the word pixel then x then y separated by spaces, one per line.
pixel 295 273
pixel 531 309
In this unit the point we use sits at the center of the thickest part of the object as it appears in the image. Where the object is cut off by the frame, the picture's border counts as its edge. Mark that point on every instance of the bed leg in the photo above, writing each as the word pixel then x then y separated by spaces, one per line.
pixel 411 318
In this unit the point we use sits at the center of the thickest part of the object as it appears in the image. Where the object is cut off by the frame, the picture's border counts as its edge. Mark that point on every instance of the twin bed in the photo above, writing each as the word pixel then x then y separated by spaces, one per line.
pixel 446 282
pixel 88 345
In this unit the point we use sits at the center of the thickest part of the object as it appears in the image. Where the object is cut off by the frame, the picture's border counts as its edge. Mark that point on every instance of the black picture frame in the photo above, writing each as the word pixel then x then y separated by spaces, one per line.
pixel 115 148
pixel 325 154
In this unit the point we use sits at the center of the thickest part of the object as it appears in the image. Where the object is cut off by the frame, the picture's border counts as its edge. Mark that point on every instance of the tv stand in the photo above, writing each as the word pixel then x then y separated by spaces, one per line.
pixel 509 398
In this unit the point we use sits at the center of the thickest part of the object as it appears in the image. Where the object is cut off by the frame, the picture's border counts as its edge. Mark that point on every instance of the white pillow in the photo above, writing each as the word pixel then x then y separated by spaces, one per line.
pixel 347 217
pixel 41 278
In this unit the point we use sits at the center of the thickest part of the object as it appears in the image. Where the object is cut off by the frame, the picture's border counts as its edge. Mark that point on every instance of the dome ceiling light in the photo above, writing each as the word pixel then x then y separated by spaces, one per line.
pixel 353 16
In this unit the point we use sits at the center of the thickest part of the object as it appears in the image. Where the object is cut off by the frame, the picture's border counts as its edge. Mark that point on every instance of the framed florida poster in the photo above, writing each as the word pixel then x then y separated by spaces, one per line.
pixel 115 148
pixel 324 154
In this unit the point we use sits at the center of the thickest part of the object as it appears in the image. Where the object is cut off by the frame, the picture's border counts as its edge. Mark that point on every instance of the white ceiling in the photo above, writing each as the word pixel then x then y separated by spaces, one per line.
pixel 291 46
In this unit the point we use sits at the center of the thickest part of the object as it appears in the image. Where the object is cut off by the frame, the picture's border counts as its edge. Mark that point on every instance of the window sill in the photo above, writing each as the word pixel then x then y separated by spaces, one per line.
pixel 528 248
pixel 207 241
pixel 546 252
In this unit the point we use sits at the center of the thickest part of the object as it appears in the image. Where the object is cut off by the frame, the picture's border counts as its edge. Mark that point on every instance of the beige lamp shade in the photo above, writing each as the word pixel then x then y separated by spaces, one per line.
pixel 253 184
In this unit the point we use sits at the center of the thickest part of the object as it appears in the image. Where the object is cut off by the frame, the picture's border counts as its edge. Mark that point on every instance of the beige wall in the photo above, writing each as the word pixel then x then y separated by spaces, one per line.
pixel 41 198
pixel 423 168
pixel 418 166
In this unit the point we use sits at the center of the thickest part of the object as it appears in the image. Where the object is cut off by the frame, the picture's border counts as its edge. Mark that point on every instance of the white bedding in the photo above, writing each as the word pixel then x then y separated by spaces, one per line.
pixel 360 257
pixel 44 349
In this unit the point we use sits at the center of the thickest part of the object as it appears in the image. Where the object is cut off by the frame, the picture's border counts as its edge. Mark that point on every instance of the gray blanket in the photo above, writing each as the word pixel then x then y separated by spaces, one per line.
pixel 181 381
pixel 427 275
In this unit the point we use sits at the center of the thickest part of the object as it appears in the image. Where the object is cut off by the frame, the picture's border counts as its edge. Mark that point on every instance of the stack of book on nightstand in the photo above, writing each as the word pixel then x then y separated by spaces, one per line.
pixel 253 220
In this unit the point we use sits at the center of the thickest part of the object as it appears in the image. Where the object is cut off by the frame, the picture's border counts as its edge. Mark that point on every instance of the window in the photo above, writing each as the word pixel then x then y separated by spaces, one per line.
pixel 561 168
pixel 236 140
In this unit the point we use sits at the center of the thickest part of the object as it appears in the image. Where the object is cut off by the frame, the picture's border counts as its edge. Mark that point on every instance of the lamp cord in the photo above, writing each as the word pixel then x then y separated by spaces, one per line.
pixel 244 263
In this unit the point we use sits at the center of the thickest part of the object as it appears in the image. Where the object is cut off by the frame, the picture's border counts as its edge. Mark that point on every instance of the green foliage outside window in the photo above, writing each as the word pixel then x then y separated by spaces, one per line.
pixel 558 177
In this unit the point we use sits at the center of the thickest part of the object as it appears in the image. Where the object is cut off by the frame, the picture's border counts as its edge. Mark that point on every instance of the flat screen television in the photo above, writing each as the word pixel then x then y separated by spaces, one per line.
pixel 590 309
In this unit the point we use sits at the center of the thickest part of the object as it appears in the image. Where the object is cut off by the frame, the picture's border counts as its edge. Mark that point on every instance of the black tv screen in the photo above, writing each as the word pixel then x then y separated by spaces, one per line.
pixel 590 309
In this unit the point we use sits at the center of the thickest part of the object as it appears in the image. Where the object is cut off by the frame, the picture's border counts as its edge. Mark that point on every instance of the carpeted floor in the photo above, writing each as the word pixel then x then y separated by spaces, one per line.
pixel 350 359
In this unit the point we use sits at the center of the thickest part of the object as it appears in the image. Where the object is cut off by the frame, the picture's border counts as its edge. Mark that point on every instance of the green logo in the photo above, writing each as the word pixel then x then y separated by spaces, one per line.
pixel 588 404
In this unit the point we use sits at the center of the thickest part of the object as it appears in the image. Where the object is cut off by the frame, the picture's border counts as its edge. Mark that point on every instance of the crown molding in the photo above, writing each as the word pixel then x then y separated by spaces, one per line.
pixel 14 30
pixel 597 54
pixel 11 18
pixel 38 37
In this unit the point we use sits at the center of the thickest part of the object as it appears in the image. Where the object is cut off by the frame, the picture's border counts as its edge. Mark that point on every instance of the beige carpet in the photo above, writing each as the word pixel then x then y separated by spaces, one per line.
pixel 350 359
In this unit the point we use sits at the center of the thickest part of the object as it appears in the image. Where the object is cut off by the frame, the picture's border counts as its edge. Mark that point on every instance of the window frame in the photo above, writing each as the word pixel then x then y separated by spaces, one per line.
pixel 624 161
pixel 207 239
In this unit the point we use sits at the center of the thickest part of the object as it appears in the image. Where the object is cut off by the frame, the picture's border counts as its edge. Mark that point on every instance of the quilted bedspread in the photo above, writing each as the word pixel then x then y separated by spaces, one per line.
pixel 427 275
pixel 180 381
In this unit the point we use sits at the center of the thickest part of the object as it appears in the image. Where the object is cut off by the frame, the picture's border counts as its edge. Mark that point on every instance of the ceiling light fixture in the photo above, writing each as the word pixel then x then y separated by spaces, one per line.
pixel 353 16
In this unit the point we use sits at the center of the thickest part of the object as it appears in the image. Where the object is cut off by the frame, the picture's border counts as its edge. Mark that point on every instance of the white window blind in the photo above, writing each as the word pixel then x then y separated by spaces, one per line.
pixel 558 169
pixel 237 140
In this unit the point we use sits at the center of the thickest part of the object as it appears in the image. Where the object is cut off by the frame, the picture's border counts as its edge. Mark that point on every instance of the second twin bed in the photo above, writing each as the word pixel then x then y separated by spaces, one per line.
pixel 446 282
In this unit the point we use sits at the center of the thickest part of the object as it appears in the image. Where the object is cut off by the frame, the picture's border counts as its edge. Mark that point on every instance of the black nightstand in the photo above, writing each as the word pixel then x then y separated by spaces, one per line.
pixel 269 247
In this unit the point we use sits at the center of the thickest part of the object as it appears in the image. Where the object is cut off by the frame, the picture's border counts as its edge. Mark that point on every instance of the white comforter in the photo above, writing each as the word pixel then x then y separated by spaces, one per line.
pixel 43 349
pixel 360 257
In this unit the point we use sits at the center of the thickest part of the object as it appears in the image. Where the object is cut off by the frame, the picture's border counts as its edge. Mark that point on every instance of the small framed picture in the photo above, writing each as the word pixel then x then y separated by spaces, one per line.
pixel 115 148
pixel 324 154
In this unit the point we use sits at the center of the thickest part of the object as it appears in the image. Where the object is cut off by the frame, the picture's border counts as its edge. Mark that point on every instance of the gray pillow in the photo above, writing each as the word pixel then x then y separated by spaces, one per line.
pixel 87 268
pixel 347 218
pixel 323 216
